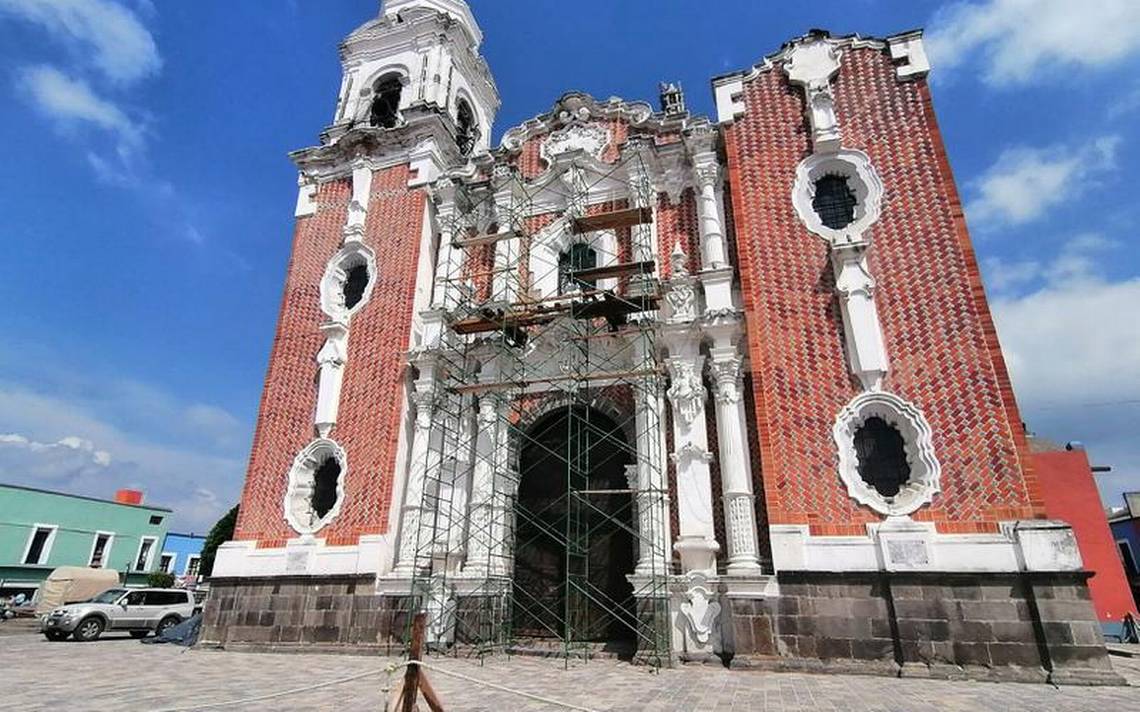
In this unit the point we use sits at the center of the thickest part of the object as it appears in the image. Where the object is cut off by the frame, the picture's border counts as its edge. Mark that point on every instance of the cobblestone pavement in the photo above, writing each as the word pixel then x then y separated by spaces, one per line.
pixel 117 673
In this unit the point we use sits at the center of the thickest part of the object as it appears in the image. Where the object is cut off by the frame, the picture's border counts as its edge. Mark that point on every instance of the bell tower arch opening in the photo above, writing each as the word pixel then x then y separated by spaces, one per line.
pixel 574 542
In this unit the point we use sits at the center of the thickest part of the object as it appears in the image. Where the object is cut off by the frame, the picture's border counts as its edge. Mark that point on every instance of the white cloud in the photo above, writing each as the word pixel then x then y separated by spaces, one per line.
pixel 71 101
pixel 1025 182
pixel 1074 355
pixel 107 33
pixel 1021 41
pixel 94 440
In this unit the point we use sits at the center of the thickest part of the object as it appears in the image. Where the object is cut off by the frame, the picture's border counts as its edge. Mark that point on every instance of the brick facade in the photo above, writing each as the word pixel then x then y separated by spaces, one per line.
pixel 377 343
pixel 939 335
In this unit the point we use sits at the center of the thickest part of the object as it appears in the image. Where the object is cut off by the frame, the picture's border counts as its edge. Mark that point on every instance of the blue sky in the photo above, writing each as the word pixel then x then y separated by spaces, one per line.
pixel 146 200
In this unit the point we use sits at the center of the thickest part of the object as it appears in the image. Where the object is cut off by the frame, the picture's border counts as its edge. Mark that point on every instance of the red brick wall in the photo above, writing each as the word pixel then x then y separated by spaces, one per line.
pixel 943 350
pixel 369 418
pixel 1071 495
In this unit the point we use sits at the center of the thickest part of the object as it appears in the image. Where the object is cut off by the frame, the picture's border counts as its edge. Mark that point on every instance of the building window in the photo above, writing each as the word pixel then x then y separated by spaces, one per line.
pixel 466 132
pixel 155 520
pixel 39 545
pixel 385 111
pixel 1126 558
pixel 837 195
pixel 325 481
pixel 347 282
pixel 882 456
pixel 579 256
pixel 146 546
pixel 166 563
pixel 192 566
pixel 886 453
pixel 355 282
pixel 834 202
pixel 99 549
pixel 316 486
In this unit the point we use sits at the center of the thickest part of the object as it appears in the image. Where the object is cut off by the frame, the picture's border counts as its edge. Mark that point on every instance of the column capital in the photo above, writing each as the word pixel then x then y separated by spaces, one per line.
pixel 727 378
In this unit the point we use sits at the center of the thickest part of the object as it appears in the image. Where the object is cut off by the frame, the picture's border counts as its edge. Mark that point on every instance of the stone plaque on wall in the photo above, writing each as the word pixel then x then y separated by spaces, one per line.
pixel 297 560
pixel 907 553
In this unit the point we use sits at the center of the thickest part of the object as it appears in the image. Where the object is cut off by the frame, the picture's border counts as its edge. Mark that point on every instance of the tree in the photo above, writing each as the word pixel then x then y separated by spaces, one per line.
pixel 221 532
pixel 160 579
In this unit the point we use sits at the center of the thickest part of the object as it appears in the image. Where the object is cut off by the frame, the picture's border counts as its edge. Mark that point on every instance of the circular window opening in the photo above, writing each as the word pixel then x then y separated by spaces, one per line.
pixel 325 483
pixel 834 202
pixel 355 282
pixel 881 452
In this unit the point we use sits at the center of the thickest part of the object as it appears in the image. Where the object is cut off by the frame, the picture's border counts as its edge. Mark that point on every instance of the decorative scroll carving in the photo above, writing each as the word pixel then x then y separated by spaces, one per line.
pixel 590 138
pixel 812 64
pixel 700 612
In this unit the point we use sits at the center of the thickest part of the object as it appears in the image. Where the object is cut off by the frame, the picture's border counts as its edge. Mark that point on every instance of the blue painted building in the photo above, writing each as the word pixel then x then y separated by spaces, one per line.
pixel 1125 525
pixel 181 554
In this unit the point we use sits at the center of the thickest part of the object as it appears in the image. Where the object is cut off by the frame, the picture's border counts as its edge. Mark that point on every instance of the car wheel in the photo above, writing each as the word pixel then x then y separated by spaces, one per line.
pixel 55 635
pixel 166 624
pixel 139 633
pixel 88 629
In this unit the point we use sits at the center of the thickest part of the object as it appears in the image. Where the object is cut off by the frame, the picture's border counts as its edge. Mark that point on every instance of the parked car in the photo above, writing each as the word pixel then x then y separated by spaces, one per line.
pixel 138 611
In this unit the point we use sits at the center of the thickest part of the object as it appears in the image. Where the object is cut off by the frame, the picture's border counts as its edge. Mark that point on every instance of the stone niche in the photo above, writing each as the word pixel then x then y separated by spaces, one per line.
pixel 1027 627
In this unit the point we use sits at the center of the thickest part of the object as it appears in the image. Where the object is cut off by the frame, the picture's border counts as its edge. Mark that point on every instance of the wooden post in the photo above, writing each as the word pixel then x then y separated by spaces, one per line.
pixel 415 681
pixel 415 653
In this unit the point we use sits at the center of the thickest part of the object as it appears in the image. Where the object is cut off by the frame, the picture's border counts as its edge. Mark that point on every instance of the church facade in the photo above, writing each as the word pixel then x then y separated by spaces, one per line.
pixel 641 381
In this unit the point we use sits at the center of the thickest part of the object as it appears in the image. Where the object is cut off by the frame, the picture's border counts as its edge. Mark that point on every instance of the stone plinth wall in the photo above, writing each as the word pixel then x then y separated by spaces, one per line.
pixel 307 612
pixel 999 626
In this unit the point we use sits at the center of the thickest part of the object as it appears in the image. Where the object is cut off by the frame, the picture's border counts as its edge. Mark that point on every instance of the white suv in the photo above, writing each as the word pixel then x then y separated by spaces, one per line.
pixel 138 611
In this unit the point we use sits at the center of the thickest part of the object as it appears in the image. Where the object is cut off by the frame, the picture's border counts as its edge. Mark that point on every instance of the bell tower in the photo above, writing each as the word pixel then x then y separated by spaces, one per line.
pixel 417 62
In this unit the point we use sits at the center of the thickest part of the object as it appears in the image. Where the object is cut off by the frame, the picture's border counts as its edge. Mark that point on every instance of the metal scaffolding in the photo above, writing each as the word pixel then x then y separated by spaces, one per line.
pixel 544 512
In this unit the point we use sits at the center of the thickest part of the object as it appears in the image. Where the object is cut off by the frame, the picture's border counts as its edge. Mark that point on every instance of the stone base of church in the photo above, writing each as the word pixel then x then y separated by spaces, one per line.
pixel 1015 627
pixel 337 613
pixel 1025 627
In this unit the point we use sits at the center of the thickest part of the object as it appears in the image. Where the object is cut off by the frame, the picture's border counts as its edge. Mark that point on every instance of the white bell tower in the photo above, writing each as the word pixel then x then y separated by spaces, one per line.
pixel 418 59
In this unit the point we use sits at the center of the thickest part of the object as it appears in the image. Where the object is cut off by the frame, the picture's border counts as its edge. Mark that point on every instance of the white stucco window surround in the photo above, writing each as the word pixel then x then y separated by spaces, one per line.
pixel 299 511
pixel 862 179
pixel 907 419
pixel 352 255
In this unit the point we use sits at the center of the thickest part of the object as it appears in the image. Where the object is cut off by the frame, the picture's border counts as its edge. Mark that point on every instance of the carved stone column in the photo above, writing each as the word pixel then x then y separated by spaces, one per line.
pixel 707 172
pixel 449 258
pixel 735 462
pixel 696 541
pixel 484 531
pixel 647 477
pixel 423 397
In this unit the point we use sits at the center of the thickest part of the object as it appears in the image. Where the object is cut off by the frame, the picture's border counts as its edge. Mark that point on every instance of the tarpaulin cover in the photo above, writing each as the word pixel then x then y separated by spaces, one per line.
pixel 185 633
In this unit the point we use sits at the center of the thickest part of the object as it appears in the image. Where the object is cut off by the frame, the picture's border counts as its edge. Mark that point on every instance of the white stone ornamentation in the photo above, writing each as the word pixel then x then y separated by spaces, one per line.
pixel 686 392
pixel 299 491
pixel 910 56
pixel 862 179
pixel 701 612
pixel 330 362
pixel 811 64
pixel 591 139
pixel 351 255
pixel 925 470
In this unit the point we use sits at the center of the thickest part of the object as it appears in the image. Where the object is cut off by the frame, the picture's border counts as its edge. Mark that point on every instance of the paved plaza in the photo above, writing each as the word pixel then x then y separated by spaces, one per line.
pixel 117 673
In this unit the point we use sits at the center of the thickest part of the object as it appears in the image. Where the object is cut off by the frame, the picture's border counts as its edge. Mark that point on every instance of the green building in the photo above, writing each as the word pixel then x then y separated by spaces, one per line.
pixel 40 530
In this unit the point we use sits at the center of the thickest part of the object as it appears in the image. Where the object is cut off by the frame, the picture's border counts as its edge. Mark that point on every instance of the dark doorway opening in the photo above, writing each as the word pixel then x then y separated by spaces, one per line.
pixel 573 539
